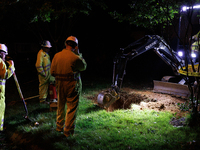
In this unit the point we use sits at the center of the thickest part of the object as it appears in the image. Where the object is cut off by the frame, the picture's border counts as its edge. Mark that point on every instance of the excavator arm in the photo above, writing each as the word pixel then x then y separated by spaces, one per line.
pixel 148 42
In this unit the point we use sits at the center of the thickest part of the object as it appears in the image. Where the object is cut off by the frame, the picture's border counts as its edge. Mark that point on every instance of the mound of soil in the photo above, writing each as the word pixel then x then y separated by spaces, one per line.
pixel 146 99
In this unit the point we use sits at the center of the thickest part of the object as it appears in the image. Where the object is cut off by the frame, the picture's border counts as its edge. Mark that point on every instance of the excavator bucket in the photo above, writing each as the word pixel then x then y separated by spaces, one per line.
pixel 107 98
pixel 171 88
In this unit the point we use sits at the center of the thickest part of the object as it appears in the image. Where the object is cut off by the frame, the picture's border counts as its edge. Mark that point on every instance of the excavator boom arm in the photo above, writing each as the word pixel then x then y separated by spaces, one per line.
pixel 148 42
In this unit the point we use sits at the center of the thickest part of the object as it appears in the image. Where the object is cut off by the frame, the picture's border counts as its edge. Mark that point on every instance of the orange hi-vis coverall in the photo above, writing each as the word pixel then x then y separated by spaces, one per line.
pixel 43 65
pixel 66 67
pixel 5 73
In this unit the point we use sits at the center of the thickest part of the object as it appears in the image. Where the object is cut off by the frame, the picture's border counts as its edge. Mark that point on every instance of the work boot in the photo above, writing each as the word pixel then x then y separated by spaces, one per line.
pixel 59 129
pixel 54 101
pixel 44 101
pixel 69 133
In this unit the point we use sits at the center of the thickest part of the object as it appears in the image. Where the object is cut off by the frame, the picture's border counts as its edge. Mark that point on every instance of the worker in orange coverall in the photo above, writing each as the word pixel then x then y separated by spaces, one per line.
pixel 6 71
pixel 66 67
pixel 43 65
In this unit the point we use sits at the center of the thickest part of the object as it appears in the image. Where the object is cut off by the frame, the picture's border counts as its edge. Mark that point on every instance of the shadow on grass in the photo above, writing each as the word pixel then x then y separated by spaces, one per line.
pixel 39 111
pixel 93 108
pixel 18 120
pixel 41 140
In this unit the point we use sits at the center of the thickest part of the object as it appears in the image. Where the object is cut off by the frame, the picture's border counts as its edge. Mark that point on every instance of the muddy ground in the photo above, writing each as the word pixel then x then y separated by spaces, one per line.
pixel 147 99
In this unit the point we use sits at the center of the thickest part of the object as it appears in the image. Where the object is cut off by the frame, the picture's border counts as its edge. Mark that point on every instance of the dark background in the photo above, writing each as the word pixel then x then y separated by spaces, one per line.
pixel 100 38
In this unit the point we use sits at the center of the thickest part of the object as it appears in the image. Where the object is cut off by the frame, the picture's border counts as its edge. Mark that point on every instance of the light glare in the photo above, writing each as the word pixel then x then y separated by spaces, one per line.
pixel 193 55
pixel 185 8
pixel 180 53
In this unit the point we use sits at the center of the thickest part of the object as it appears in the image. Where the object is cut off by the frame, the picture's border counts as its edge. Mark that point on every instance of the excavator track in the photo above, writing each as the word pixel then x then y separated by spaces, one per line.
pixel 175 89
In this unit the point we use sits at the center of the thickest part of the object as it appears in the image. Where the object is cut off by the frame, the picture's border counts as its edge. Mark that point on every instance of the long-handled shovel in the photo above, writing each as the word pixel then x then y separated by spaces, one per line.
pixel 21 96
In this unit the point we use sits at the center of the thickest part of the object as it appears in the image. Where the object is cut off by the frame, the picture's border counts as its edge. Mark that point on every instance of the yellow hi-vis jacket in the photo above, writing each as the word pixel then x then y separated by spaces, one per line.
pixel 195 46
pixel 43 65
pixel 5 73
pixel 195 37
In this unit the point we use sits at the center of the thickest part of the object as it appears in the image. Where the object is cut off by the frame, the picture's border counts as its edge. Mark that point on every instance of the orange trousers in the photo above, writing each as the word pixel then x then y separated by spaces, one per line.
pixel 67 94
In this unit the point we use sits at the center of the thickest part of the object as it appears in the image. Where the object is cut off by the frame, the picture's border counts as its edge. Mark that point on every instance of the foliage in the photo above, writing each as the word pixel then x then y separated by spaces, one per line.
pixel 150 13
pixel 186 106
pixel 48 10
pixel 46 19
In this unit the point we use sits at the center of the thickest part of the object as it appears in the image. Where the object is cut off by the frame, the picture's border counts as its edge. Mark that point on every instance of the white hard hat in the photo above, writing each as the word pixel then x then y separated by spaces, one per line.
pixel 3 48
pixel 72 38
pixel 46 44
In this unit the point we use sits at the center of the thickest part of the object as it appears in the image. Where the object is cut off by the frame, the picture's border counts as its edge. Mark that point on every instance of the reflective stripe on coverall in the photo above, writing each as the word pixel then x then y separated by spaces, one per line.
pixel 4 75
pixel 43 65
pixel 65 67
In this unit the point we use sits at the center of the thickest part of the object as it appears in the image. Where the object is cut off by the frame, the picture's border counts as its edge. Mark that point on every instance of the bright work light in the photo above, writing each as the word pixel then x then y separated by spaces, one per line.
pixel 185 8
pixel 193 55
pixel 180 53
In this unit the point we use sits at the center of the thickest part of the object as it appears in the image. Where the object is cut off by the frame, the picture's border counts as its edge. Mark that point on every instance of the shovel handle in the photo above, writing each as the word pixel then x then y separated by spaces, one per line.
pixel 18 87
pixel 20 93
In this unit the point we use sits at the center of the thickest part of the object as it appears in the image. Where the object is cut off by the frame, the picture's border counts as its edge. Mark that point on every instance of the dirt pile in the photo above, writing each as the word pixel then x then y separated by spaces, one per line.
pixel 146 99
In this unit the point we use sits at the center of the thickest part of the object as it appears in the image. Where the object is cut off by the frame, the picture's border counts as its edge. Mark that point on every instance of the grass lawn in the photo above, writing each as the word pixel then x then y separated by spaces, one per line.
pixel 96 129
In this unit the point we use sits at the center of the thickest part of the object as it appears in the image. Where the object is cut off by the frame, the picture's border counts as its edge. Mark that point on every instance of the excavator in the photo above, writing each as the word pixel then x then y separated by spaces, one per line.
pixel 183 75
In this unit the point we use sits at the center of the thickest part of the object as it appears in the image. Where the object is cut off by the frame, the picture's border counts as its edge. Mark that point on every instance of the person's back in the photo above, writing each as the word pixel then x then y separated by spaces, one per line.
pixel 64 62
pixel 67 62
pixel 66 66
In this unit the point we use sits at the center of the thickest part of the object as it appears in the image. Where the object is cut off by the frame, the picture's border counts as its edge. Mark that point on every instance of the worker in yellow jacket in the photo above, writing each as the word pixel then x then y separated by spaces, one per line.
pixel 66 67
pixel 43 65
pixel 6 71
pixel 195 47
pixel 196 36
